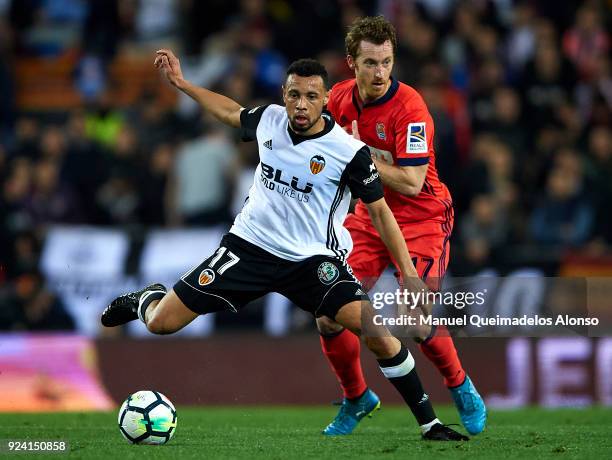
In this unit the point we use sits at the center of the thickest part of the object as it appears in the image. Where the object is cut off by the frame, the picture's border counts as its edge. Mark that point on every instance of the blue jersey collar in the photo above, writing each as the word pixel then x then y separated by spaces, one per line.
pixel 381 100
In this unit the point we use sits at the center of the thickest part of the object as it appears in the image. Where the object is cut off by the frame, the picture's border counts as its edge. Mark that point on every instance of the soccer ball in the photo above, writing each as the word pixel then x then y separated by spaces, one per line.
pixel 147 417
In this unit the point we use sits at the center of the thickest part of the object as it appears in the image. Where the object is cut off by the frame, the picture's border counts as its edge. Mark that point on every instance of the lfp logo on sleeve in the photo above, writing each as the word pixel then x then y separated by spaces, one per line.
pixel 417 138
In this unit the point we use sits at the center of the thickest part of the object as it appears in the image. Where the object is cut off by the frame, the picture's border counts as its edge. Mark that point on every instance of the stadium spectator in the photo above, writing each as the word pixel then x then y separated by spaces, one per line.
pixel 154 123
pixel 7 83
pixel 203 176
pixel 102 122
pixel 50 201
pixel 29 306
pixel 490 172
pixel 506 123
pixel 485 222
pixel 437 98
pixel 489 76
pixel 521 38
pixel 599 172
pixel 46 27
pixel 119 196
pixel 547 83
pixel 25 138
pixel 154 186
pixel 85 167
pixel 102 30
pixel 20 253
pixel 156 20
pixel 15 190
pixel 564 216
pixel 594 97
pixel 52 144
pixel 586 41
pixel 455 46
pixel 416 47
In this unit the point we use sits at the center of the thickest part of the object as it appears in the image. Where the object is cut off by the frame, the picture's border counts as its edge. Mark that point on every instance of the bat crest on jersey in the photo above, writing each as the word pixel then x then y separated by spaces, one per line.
pixel 317 163
pixel 417 138
pixel 380 131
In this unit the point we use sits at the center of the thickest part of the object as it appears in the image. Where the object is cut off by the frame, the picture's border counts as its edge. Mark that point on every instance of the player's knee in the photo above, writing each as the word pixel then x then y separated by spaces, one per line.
pixel 327 326
pixel 157 324
pixel 420 333
pixel 383 347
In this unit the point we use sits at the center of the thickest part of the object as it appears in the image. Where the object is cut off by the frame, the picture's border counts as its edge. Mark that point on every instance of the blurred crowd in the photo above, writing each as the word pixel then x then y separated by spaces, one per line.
pixel 520 92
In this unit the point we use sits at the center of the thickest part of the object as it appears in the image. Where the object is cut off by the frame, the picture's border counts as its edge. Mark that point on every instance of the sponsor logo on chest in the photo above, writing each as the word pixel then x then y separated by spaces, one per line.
pixel 285 184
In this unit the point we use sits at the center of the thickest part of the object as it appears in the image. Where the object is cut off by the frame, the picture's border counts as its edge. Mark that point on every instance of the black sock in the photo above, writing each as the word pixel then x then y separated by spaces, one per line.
pixel 402 374
pixel 145 301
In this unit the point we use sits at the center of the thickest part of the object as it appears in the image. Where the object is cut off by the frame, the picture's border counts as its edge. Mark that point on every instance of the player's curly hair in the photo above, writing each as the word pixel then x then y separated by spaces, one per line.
pixel 308 68
pixel 374 29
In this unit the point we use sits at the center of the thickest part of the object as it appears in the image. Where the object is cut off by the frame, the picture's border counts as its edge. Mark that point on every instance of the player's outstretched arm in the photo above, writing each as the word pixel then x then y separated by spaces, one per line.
pixel 221 107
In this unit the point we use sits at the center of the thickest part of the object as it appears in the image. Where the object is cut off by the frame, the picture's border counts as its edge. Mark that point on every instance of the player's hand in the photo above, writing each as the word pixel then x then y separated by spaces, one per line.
pixel 355 130
pixel 412 283
pixel 168 63
pixel 414 304
pixel 410 280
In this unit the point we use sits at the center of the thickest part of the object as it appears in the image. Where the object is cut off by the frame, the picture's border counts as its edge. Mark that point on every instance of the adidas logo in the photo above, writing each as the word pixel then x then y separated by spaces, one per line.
pixel 359 292
pixel 268 144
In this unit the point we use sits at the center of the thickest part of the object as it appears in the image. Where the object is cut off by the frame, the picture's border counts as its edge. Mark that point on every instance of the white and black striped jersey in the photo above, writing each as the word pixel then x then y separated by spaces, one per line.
pixel 302 186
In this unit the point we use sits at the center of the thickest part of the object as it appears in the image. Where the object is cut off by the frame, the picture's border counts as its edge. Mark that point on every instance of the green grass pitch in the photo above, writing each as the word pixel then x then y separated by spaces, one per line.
pixel 294 432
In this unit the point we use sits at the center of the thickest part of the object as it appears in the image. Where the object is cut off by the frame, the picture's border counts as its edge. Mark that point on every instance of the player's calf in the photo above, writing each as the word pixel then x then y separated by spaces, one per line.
pixel 166 314
pixel 162 313
pixel 401 372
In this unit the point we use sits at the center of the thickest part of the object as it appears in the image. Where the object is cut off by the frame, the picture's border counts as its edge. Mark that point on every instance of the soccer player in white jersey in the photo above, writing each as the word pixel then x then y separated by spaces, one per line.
pixel 289 236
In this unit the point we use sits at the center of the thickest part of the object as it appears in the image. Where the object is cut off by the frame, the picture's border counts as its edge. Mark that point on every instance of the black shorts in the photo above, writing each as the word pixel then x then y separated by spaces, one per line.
pixel 239 272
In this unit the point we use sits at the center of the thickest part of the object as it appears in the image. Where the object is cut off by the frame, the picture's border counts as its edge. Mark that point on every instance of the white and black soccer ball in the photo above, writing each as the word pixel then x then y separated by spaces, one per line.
pixel 147 417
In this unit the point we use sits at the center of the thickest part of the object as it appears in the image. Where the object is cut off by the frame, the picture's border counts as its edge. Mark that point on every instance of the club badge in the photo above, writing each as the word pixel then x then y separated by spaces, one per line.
pixel 317 163
pixel 328 273
pixel 206 277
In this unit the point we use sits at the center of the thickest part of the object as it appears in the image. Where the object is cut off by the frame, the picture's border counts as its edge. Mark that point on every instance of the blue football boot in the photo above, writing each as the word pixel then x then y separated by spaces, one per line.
pixel 470 405
pixel 351 413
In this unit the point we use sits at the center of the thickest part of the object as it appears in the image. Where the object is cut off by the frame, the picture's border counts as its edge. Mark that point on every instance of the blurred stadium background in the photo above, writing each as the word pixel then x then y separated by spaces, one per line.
pixel 109 180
